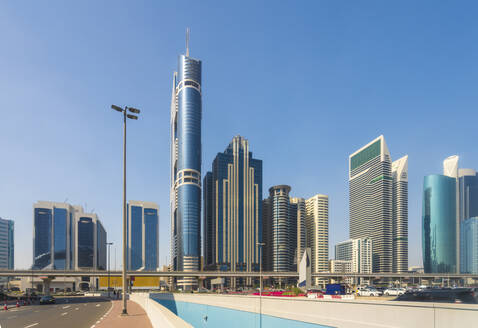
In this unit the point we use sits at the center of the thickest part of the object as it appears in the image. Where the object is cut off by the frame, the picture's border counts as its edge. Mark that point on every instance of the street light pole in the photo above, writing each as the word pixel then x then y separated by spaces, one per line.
pixel 260 282
pixel 124 111
pixel 109 266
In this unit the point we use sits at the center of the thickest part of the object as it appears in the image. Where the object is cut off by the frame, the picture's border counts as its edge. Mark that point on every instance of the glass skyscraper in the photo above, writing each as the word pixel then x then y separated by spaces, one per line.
pixel 233 209
pixel 378 204
pixel 91 242
pixel 464 201
pixel 439 224
pixel 280 229
pixel 469 245
pixel 143 236
pixel 185 196
pixel 66 238
pixel 53 237
pixel 7 250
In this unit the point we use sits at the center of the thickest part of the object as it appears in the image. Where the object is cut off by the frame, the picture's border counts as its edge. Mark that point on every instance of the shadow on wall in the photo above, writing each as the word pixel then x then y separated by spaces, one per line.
pixel 203 315
pixel 166 300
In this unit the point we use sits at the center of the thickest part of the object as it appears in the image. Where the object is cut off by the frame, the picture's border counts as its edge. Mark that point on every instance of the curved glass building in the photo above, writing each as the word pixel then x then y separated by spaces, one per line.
pixel 185 196
pixel 281 226
pixel 439 224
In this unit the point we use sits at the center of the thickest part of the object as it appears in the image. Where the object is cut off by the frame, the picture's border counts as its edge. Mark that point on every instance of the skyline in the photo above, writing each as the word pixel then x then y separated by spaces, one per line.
pixel 90 171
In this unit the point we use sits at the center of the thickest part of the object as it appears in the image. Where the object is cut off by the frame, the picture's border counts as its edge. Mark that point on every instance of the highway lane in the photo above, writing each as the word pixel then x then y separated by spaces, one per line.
pixel 68 312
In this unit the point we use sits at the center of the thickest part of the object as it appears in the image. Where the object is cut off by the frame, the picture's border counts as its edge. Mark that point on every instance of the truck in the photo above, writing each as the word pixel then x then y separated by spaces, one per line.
pixel 335 289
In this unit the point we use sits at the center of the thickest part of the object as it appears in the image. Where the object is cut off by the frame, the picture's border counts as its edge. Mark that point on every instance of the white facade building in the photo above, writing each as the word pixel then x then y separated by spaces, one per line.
pixel 358 252
pixel 317 223
pixel 378 204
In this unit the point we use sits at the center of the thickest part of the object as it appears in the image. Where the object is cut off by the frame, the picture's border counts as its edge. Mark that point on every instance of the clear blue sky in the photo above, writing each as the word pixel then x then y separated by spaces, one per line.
pixel 306 82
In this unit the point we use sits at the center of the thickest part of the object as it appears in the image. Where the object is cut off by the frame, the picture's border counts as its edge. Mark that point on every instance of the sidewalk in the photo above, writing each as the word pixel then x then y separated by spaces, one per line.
pixel 113 319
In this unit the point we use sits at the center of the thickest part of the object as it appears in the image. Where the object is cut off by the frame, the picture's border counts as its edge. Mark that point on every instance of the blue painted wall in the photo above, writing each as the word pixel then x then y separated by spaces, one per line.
pixel 201 315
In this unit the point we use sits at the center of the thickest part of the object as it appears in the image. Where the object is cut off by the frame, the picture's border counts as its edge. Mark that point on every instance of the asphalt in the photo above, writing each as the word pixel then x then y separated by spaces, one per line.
pixel 68 312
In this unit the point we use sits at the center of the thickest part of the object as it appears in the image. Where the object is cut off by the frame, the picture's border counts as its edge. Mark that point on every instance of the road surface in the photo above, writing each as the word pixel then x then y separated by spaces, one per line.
pixel 68 312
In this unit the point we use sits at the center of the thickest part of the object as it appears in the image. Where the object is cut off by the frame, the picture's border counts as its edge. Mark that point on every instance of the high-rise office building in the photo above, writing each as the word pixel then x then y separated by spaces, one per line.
pixel 143 236
pixel 66 238
pixel 468 189
pixel 358 252
pixel 378 204
pixel 439 224
pixel 400 215
pixel 53 235
pixel 280 222
pixel 185 195
pixel 233 209
pixel 267 234
pixel 458 205
pixel 299 229
pixel 469 245
pixel 317 222
pixel 7 250
pixel 90 235
pixel 209 221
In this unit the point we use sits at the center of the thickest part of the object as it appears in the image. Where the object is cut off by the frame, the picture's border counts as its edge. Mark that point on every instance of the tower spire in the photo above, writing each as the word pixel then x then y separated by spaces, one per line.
pixel 187 41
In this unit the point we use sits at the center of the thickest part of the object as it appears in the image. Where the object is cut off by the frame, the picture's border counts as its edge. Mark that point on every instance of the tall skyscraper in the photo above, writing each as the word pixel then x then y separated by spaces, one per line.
pixel 469 245
pixel 457 190
pixel 267 234
pixel 66 238
pixel 53 235
pixel 7 250
pixel 279 234
pixel 185 195
pixel 143 235
pixel 317 222
pixel 209 222
pixel 400 215
pixel 376 211
pixel 439 224
pixel 298 239
pixel 468 189
pixel 90 252
pixel 233 209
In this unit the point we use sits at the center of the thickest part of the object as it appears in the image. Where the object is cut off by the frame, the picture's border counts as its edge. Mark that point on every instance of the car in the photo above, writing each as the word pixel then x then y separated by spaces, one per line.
pixel 47 300
pixel 393 291
pixel 440 295
pixel 368 291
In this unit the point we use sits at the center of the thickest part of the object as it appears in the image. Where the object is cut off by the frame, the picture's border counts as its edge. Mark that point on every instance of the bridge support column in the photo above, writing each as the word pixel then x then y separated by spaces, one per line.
pixel 46 284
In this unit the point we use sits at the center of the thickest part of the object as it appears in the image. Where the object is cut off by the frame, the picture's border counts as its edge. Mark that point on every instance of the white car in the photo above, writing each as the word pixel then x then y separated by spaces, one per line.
pixel 394 291
pixel 368 292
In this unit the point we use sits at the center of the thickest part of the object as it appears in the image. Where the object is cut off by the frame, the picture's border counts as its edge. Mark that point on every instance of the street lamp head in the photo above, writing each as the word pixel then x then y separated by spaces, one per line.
pixel 133 117
pixel 117 108
pixel 133 110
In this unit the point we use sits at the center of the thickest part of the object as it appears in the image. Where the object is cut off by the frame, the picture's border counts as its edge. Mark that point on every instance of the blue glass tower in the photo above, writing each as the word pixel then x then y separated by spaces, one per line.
pixel 6 244
pixel 439 224
pixel 143 235
pixel 469 246
pixel 53 245
pixel 186 168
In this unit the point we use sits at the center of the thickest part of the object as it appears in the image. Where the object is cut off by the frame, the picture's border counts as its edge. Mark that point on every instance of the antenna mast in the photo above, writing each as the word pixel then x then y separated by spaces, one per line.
pixel 187 41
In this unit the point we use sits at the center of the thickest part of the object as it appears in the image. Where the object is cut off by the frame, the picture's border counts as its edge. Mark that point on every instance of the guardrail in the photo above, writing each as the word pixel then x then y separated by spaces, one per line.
pixel 215 274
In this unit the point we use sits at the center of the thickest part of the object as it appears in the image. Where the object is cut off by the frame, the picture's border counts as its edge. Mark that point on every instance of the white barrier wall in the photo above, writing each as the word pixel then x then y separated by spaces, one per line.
pixel 346 313
pixel 158 314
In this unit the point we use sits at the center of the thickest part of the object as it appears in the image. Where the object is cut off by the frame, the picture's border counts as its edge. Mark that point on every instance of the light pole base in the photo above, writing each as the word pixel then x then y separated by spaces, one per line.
pixel 124 312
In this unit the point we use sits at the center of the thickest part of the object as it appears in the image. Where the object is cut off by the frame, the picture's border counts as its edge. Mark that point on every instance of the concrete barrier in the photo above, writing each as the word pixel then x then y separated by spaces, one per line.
pixel 159 316
pixel 345 313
